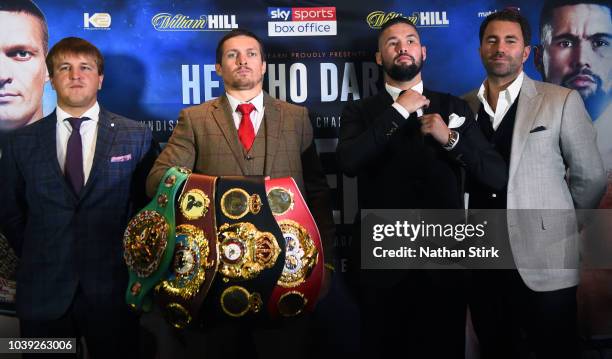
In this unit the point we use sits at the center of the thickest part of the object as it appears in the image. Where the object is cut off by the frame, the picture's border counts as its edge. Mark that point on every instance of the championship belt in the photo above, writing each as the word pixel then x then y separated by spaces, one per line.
pixel 149 239
pixel 251 249
pixel 195 260
pixel 300 282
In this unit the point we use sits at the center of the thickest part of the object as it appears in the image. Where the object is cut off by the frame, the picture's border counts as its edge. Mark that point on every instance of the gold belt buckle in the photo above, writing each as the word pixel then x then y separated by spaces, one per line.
pixel 300 254
pixel 245 251
pixel 145 240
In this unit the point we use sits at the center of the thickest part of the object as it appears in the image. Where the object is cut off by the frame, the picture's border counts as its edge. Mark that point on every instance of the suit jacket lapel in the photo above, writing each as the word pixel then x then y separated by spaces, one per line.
pixel 528 104
pixel 48 137
pixel 223 116
pixel 104 143
pixel 273 118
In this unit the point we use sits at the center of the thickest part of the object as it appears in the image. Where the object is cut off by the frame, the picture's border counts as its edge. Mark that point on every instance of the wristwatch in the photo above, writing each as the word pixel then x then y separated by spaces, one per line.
pixel 453 136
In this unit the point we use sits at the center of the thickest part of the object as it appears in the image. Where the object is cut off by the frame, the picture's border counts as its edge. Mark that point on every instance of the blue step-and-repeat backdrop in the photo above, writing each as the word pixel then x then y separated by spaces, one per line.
pixel 160 58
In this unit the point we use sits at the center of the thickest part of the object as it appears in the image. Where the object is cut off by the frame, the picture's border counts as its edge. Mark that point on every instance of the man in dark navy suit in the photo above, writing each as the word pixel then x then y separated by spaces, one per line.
pixel 73 180
pixel 409 147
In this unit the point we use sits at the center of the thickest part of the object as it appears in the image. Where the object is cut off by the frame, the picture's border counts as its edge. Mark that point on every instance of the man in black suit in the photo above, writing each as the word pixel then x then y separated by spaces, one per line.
pixel 73 180
pixel 399 145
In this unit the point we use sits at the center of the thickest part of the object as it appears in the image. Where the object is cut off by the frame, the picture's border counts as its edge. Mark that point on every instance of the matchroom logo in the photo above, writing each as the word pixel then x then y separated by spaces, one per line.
pixel 302 21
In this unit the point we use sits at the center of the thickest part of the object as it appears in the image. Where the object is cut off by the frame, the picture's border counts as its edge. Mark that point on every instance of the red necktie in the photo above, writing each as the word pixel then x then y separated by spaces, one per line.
pixel 246 132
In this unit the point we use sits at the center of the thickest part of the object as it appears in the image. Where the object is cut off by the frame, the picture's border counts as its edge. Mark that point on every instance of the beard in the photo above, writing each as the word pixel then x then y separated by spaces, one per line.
pixel 588 92
pixel 595 98
pixel 402 72
pixel 511 67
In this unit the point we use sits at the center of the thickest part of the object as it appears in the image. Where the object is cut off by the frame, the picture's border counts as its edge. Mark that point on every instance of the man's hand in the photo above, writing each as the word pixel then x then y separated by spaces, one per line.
pixel 433 124
pixel 412 100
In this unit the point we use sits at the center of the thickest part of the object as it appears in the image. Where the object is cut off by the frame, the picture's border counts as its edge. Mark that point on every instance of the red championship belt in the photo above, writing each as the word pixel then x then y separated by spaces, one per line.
pixel 195 260
pixel 300 282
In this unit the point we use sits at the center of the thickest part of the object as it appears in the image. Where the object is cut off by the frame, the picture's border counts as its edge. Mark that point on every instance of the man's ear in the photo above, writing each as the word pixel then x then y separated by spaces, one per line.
pixel 100 83
pixel 378 58
pixel 218 69
pixel 526 52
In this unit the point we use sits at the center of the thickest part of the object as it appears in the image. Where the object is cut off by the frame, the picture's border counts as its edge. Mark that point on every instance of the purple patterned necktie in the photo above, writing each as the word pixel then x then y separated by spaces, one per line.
pixel 73 169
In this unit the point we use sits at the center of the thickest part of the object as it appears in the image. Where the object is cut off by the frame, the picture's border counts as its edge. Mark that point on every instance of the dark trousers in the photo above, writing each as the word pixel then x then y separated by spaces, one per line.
pixel 110 330
pixel 512 321
pixel 420 316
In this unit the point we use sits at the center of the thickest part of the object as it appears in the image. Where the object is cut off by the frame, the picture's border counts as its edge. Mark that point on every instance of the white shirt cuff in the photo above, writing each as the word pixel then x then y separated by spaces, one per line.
pixel 402 111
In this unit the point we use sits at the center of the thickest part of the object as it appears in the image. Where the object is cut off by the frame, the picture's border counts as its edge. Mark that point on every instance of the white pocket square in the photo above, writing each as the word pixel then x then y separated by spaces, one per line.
pixel 455 121
pixel 123 158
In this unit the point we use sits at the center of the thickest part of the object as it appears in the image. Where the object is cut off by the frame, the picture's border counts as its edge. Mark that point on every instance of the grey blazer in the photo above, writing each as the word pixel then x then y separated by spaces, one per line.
pixel 553 171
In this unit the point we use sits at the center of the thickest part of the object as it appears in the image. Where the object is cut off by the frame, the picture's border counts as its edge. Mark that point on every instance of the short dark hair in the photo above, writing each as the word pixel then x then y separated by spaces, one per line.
pixel 75 46
pixel 546 14
pixel 395 21
pixel 511 15
pixel 29 8
pixel 234 33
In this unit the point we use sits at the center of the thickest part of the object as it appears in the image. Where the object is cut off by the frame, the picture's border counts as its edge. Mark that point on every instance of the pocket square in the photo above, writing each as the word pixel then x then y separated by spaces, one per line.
pixel 538 129
pixel 123 158
pixel 455 120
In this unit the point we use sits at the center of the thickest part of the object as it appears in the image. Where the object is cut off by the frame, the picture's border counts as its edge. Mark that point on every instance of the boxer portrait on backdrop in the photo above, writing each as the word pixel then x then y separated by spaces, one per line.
pixel 24 41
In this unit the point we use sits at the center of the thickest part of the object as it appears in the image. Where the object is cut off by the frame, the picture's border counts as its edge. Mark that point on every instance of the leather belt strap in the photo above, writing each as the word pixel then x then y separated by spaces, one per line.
pixel 194 266
pixel 251 250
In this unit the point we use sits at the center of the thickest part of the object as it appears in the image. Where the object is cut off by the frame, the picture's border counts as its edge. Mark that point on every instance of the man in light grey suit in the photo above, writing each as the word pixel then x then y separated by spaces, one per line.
pixel 544 133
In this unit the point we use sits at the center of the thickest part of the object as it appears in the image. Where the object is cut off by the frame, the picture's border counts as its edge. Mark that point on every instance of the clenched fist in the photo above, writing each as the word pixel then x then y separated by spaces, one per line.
pixel 433 124
pixel 412 100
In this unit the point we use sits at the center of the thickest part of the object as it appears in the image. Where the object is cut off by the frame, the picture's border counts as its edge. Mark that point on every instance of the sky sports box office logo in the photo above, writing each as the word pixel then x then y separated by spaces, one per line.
pixel 301 21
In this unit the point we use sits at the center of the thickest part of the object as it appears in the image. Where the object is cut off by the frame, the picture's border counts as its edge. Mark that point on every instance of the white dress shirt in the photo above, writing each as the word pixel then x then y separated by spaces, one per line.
pixel 504 101
pixel 395 92
pixel 256 115
pixel 89 133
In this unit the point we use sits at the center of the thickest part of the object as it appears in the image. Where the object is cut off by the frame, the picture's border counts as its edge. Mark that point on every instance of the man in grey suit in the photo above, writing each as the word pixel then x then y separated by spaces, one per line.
pixel 544 133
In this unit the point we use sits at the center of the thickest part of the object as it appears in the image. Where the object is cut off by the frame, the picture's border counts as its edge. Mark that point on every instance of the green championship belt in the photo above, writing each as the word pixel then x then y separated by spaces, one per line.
pixel 149 240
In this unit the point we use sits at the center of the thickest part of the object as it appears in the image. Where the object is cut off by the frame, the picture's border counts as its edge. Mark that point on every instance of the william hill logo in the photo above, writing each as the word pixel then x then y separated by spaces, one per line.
pixel 179 22
pixel 376 19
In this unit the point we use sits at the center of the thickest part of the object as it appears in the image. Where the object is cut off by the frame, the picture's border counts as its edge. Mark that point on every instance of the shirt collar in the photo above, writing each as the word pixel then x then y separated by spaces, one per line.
pixel 395 92
pixel 92 113
pixel 257 101
pixel 511 92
